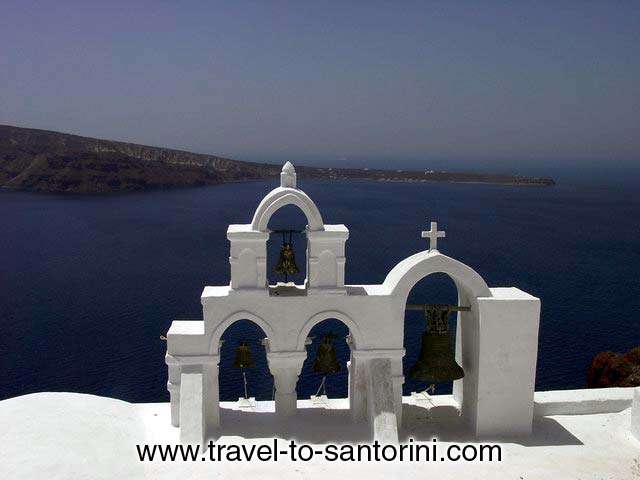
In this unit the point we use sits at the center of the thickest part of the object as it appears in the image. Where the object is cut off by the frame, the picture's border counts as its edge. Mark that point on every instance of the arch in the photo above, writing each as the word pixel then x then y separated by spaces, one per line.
pixel 215 336
pixel 280 197
pixel 354 330
pixel 437 287
pixel 401 279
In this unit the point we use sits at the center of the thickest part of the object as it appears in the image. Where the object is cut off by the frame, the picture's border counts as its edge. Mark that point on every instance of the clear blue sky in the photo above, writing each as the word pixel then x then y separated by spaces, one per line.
pixel 482 85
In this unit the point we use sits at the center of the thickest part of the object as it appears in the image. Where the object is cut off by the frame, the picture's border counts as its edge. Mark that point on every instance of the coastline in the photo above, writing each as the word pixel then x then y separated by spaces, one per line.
pixel 53 162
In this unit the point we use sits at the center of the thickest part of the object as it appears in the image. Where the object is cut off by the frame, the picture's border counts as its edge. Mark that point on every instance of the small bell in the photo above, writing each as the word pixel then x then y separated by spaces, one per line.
pixel 244 359
pixel 326 361
pixel 287 261
pixel 436 362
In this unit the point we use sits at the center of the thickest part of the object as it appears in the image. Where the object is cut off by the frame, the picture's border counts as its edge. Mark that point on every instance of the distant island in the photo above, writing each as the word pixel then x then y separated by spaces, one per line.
pixel 46 161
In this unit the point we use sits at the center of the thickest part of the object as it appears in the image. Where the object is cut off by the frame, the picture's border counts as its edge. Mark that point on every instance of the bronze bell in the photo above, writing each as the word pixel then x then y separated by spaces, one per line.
pixel 244 359
pixel 326 361
pixel 287 261
pixel 436 362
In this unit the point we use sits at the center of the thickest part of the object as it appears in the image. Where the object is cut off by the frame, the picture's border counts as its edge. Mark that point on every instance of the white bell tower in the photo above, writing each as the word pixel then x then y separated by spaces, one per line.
pixel 325 243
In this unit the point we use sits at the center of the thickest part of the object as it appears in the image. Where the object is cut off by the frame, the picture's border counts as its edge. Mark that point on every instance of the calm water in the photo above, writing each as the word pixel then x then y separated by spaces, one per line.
pixel 88 284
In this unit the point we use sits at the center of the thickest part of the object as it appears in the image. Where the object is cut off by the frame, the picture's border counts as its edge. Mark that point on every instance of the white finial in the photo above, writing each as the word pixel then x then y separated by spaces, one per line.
pixel 288 167
pixel 433 236
pixel 288 176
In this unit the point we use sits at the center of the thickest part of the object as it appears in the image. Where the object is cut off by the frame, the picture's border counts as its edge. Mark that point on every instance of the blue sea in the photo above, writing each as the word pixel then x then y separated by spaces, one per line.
pixel 88 284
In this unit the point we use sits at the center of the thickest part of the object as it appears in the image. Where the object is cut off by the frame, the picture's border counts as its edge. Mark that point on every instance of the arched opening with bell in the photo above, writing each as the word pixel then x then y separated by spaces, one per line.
pixel 430 366
pixel 287 247
pixel 244 374
pixel 324 373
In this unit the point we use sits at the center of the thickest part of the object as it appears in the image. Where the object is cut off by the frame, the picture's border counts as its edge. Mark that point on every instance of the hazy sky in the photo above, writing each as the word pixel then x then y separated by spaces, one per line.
pixel 482 85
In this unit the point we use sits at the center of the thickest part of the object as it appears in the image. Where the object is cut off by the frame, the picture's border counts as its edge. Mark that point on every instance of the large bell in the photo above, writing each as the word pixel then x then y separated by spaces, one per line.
pixel 244 359
pixel 287 261
pixel 326 362
pixel 436 362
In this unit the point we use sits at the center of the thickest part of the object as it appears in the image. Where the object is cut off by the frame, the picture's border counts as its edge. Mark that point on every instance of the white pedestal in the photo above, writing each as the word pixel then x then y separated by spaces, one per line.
pixel 319 400
pixel 246 403
pixel 422 399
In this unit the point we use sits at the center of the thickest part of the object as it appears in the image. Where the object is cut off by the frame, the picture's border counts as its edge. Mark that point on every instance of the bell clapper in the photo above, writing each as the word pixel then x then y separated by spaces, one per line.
pixel 244 379
pixel 323 387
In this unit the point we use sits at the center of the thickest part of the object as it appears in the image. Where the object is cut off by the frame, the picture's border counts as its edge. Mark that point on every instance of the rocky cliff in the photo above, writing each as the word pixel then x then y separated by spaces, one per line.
pixel 611 369
pixel 46 161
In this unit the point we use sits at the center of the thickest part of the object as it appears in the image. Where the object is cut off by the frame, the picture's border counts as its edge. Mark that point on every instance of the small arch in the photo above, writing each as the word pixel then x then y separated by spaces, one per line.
pixel 354 330
pixel 230 378
pixel 411 270
pixel 336 384
pixel 285 218
pixel 470 286
pixel 434 288
pixel 280 197
pixel 216 335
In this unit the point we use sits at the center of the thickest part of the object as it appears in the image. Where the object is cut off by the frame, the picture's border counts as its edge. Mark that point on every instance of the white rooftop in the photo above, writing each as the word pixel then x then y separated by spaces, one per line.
pixel 69 435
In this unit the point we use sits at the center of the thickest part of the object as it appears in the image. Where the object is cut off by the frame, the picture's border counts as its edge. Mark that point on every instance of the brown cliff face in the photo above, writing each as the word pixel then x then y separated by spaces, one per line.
pixel 45 161
pixel 610 369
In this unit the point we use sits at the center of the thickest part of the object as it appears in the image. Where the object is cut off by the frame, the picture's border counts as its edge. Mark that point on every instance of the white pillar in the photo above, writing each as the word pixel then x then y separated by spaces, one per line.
pixel 212 396
pixel 398 382
pixel 174 399
pixel 198 400
pixel 349 381
pixel 326 260
pixel 466 331
pixel 357 384
pixel 360 399
pixel 635 413
pixel 285 368
pixel 507 350
pixel 382 408
pixel 247 258
pixel 192 424
pixel 173 386
pixel 357 388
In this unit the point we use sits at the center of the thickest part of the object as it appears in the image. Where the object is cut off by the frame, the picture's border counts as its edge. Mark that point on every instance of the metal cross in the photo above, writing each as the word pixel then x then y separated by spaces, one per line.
pixel 433 236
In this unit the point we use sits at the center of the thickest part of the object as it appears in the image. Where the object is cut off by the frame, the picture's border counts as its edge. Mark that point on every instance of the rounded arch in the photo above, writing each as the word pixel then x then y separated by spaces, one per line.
pixel 411 270
pixel 216 335
pixel 280 197
pixel 354 330
pixel 435 288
